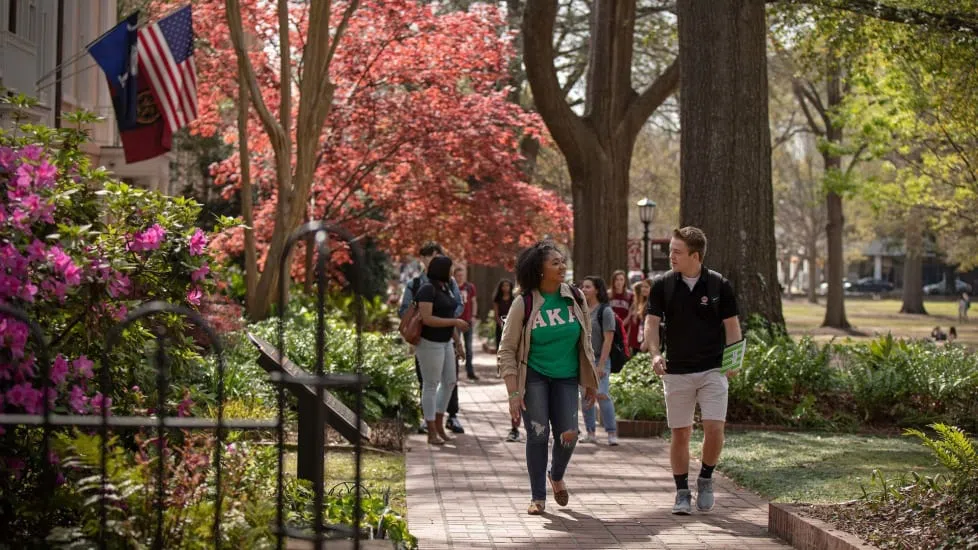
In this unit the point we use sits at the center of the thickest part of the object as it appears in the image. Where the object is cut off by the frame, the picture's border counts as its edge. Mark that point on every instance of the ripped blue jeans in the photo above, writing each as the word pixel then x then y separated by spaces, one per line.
pixel 551 403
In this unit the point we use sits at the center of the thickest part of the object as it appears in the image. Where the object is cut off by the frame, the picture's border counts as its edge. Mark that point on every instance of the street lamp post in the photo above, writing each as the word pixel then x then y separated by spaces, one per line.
pixel 646 213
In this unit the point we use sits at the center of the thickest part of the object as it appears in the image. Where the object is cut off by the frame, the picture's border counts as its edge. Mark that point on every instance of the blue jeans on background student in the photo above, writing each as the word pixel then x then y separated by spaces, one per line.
pixel 551 404
pixel 607 405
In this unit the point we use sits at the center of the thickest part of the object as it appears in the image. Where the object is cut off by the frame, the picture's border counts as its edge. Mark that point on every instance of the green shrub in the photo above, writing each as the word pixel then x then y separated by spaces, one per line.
pixel 393 388
pixel 637 392
pixel 912 383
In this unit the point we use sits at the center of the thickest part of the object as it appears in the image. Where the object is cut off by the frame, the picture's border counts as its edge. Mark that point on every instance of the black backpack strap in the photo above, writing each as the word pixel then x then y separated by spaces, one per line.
pixel 527 307
pixel 668 289
pixel 578 296
pixel 714 281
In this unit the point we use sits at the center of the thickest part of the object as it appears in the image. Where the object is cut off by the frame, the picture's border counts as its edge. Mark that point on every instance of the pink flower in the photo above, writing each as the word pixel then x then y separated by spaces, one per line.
pixel 14 333
pixel 119 285
pixel 59 369
pixel 83 367
pixel 99 401
pixel 199 273
pixel 183 409
pixel 198 242
pixel 8 158
pixel 24 395
pixel 36 251
pixel 45 174
pixel 32 152
pixel 149 239
pixel 72 275
pixel 77 400
pixel 194 296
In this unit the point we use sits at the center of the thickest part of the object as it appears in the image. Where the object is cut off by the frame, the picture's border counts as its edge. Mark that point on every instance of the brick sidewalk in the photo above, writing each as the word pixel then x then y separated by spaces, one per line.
pixel 473 492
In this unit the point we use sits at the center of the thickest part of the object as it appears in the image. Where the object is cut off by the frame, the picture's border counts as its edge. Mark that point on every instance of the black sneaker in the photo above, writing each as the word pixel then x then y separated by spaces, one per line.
pixel 514 436
pixel 473 377
pixel 454 425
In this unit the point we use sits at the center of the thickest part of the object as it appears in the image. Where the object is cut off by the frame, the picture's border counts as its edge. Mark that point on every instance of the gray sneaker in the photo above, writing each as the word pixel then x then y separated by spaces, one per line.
pixel 704 494
pixel 683 506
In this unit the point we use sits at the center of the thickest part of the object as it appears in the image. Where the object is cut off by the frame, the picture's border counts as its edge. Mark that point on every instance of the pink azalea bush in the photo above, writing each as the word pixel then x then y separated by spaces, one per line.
pixel 78 252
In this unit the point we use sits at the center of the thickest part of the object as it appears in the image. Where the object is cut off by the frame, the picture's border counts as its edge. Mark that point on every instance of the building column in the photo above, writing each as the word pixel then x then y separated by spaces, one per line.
pixel 877 267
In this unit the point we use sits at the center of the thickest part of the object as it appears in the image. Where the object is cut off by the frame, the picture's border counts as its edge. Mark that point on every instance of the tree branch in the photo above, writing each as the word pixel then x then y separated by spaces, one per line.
pixel 642 107
pixel 275 132
pixel 948 22
pixel 565 126
pixel 803 100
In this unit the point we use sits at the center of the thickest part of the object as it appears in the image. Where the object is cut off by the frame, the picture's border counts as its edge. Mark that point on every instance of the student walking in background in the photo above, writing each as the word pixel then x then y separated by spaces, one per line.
pixel 545 355
pixel 635 323
pixel 470 311
pixel 602 320
pixel 502 299
pixel 619 297
pixel 435 351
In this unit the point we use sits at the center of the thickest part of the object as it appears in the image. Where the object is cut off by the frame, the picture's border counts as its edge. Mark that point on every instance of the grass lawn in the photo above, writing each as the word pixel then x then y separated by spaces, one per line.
pixel 818 467
pixel 379 470
pixel 872 317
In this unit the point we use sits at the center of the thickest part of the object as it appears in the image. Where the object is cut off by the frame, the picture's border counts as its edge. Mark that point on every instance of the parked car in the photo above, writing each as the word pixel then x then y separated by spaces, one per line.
pixel 823 289
pixel 939 287
pixel 871 285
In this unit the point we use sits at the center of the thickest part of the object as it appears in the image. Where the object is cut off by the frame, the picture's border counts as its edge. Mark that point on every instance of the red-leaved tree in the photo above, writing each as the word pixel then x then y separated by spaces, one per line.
pixel 421 142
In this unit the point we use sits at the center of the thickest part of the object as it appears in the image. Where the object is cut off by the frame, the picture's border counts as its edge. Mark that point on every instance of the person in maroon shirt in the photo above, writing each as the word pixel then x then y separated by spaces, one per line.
pixel 635 323
pixel 620 298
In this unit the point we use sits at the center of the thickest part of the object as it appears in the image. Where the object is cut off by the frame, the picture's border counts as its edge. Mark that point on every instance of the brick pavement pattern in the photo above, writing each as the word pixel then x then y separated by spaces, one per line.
pixel 473 492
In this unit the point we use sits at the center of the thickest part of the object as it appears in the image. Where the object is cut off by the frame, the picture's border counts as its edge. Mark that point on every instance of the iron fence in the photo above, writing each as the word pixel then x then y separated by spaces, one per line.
pixel 319 235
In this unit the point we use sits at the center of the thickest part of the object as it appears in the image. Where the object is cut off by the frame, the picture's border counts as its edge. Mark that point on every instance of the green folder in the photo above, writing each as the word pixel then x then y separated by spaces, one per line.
pixel 733 355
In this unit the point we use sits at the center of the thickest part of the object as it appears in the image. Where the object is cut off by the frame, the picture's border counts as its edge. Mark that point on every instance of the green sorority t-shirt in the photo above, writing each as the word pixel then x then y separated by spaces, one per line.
pixel 553 338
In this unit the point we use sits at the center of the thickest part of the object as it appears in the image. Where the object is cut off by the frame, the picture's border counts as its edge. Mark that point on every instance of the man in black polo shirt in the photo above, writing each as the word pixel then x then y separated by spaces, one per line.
pixel 700 312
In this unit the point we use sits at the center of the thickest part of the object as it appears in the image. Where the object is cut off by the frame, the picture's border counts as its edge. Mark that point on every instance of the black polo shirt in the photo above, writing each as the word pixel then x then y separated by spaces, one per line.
pixel 694 332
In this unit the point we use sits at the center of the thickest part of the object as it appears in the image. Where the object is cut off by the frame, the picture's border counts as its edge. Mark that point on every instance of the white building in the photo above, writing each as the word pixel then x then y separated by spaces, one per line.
pixel 29 31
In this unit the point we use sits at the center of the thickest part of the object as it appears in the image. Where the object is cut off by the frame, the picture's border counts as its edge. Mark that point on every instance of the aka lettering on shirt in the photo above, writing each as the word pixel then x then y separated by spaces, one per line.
pixel 554 317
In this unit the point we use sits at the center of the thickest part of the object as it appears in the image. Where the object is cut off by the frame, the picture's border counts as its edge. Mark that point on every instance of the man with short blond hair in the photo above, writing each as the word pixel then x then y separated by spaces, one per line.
pixel 699 310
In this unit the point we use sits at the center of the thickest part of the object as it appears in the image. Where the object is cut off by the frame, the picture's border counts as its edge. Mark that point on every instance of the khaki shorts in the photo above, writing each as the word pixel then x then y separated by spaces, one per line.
pixel 684 391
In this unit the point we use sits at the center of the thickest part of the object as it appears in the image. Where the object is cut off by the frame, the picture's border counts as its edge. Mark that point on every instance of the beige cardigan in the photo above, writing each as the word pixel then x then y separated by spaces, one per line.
pixel 514 346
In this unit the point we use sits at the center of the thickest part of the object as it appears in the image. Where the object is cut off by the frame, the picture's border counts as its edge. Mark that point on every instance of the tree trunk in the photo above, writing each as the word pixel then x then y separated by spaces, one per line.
pixel 600 246
pixel 726 146
pixel 913 266
pixel 835 304
pixel 247 208
pixel 597 146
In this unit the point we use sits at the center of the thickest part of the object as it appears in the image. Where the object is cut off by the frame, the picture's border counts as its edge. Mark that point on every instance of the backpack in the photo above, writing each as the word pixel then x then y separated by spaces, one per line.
pixel 713 283
pixel 619 351
pixel 411 323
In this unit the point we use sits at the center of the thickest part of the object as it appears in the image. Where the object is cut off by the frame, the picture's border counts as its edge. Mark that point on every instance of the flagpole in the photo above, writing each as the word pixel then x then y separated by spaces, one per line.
pixel 82 53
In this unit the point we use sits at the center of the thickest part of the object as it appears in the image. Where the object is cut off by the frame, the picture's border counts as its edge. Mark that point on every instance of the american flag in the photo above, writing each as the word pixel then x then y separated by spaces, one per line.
pixel 166 55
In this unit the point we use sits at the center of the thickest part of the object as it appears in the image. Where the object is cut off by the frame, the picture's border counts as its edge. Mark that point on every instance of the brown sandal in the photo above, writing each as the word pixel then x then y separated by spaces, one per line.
pixel 562 496
pixel 536 507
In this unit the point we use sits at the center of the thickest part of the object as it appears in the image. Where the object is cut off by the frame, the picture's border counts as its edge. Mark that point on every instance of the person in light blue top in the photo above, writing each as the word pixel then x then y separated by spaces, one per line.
pixel 602 334
pixel 428 251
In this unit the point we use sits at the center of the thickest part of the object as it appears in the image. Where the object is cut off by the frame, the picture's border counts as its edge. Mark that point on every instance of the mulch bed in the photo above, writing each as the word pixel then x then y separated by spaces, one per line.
pixel 885 525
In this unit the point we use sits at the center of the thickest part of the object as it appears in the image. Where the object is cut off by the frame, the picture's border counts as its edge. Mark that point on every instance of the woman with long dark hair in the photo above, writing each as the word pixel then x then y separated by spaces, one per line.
pixel 635 323
pixel 435 352
pixel 544 356
pixel 602 320
pixel 501 302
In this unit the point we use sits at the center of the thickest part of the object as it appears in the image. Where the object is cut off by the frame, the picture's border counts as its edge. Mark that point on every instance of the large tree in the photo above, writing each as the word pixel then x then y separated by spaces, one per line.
pixel 597 144
pixel 726 145
pixel 420 139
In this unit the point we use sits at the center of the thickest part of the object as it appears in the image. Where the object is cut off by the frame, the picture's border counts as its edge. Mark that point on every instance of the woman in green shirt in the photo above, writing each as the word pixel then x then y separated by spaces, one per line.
pixel 544 355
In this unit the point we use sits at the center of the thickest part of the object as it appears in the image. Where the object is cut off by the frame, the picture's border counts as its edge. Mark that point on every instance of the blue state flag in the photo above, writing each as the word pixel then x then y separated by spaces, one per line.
pixel 115 53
